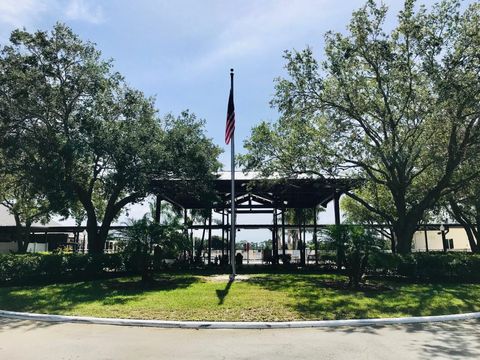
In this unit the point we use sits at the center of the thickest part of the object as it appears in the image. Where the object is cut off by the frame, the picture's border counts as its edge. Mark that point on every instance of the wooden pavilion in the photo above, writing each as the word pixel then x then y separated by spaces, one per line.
pixel 254 196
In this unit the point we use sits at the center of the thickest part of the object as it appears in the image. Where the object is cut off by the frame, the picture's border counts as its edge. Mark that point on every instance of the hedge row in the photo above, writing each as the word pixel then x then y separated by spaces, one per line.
pixel 48 267
pixel 428 266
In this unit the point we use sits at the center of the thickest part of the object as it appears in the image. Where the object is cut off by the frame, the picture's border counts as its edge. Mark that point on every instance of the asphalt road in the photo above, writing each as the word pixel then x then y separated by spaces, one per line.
pixel 37 340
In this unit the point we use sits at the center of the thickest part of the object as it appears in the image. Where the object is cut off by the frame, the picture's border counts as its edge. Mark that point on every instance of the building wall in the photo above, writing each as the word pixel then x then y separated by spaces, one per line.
pixel 458 235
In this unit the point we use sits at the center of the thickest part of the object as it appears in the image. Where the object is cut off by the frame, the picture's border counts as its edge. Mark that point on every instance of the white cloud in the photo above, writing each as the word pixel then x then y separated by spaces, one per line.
pixel 264 27
pixel 19 13
pixel 83 10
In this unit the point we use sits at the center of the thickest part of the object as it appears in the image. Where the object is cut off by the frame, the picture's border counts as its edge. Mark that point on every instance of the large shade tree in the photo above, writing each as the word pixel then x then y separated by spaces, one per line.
pixel 398 109
pixel 85 139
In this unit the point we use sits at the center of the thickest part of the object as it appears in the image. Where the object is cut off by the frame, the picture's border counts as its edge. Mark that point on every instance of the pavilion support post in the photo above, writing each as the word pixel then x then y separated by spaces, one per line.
pixel 426 237
pixel 302 245
pixel 315 239
pixel 305 238
pixel 283 233
pixel 158 209
pixel 185 230
pixel 223 234
pixel 275 232
pixel 228 238
pixel 336 206
pixel 210 238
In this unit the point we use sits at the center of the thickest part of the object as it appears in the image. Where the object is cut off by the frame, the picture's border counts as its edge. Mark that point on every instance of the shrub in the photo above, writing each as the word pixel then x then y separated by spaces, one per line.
pixel 27 268
pixel 428 266
pixel 354 245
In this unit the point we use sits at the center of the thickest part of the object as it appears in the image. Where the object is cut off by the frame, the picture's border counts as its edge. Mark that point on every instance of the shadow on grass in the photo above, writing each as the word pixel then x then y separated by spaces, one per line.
pixel 58 298
pixel 314 297
pixel 222 294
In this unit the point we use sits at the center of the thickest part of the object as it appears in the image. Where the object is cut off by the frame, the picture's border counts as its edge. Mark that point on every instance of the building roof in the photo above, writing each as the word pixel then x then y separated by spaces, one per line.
pixel 7 219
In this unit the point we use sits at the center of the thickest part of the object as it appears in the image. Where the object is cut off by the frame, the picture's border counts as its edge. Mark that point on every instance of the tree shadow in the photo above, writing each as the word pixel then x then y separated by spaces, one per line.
pixel 60 298
pixel 7 324
pixel 313 297
pixel 452 340
pixel 445 340
pixel 222 294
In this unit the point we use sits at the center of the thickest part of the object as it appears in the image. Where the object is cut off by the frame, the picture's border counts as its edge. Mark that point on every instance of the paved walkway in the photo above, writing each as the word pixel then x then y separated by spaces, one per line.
pixel 36 340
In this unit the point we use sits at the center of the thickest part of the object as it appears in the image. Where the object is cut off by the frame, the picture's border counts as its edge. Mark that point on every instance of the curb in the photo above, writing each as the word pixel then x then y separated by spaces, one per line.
pixel 233 324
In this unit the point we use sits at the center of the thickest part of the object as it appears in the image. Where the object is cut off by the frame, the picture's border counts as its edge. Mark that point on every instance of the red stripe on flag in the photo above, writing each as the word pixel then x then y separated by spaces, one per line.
pixel 230 125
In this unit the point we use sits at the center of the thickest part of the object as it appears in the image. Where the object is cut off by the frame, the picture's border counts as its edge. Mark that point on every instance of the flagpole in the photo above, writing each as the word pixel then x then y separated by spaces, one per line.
pixel 232 164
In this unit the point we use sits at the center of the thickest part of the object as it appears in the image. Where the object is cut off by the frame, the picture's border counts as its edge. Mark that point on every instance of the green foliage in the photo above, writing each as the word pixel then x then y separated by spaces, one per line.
pixel 353 245
pixel 29 268
pixel 428 266
pixel 82 137
pixel 398 110
pixel 147 244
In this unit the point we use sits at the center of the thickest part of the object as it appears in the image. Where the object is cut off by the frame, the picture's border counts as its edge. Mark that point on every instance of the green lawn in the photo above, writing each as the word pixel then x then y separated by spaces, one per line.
pixel 273 297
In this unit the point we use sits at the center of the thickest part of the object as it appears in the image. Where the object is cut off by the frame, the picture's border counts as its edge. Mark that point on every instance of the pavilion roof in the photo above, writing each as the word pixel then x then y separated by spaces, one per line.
pixel 252 191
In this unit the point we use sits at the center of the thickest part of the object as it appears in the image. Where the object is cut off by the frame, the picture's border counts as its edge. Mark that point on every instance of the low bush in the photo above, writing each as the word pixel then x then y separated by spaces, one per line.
pixel 427 266
pixel 27 268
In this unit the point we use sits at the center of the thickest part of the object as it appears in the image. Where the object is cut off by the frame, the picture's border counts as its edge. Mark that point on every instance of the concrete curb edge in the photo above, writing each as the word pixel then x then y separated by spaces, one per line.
pixel 233 324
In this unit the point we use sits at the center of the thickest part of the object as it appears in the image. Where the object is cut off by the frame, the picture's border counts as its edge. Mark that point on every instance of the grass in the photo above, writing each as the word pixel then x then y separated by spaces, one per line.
pixel 273 297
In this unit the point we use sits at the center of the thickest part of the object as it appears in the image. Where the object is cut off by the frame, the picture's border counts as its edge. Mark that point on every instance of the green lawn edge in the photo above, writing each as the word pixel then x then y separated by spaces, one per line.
pixel 262 297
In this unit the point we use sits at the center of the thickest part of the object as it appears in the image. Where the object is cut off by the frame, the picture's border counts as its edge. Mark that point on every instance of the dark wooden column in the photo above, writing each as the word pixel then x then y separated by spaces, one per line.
pixel 283 232
pixel 426 237
pixel 275 230
pixel 315 240
pixel 185 231
pixel 228 238
pixel 274 240
pixel 305 237
pixel 158 209
pixel 300 231
pixel 210 238
pixel 336 206
pixel 223 234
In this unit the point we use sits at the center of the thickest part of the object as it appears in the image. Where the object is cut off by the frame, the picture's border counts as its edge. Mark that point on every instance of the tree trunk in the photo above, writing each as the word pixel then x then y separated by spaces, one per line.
pixel 95 245
pixel 404 238
pixel 21 234
pixel 471 239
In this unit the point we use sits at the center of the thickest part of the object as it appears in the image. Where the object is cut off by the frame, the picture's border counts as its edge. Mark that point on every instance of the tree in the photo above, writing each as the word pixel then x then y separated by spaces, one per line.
pixel 83 137
pixel 25 207
pixel 399 110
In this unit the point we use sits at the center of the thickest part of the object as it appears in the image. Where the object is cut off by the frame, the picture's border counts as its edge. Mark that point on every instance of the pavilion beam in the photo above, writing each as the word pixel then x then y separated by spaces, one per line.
pixel 245 211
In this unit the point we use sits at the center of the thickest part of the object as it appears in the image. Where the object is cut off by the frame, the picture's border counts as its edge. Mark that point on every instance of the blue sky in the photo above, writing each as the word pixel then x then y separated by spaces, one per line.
pixel 181 51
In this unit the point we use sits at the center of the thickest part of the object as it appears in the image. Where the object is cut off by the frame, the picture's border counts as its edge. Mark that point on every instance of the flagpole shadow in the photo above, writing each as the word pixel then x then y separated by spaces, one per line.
pixel 222 294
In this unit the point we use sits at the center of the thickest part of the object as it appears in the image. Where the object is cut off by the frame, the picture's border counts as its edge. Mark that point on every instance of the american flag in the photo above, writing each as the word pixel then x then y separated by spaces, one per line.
pixel 230 126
